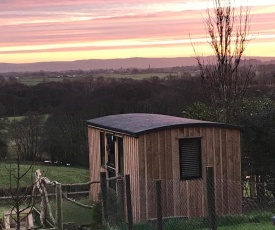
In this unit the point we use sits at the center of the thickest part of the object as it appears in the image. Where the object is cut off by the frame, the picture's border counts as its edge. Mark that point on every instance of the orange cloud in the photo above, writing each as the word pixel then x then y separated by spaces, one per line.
pixel 95 28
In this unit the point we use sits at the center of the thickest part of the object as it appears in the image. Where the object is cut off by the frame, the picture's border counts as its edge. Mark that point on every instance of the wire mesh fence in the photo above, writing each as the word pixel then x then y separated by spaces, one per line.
pixel 174 204
pixel 71 213
pixel 169 205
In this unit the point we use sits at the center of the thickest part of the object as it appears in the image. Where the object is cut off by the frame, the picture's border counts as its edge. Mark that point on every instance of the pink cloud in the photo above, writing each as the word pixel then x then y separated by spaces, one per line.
pixel 33 22
pixel 91 48
pixel 127 27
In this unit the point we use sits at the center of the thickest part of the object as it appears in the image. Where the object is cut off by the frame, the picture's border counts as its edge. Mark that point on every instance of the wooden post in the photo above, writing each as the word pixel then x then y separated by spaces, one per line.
pixel 59 216
pixel 120 197
pixel 103 187
pixel 211 198
pixel 129 203
pixel 159 205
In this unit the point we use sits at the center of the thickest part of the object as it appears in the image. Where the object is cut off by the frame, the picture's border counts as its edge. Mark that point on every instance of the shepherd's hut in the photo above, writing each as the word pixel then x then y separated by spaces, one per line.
pixel 173 149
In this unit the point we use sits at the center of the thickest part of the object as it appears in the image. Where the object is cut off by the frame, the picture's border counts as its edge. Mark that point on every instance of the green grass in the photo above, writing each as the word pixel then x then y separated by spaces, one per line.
pixel 15 118
pixel 260 220
pixel 20 118
pixel 71 212
pixel 36 80
pixel 247 226
pixel 75 213
pixel 2 209
pixel 138 76
pixel 62 174
pixel 250 226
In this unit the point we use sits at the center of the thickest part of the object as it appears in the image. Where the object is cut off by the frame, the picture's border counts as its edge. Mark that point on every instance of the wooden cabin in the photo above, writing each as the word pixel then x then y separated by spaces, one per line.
pixel 173 149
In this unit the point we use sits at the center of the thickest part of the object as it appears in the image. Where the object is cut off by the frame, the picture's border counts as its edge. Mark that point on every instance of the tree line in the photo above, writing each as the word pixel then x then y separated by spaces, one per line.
pixel 226 90
pixel 48 120
pixel 54 114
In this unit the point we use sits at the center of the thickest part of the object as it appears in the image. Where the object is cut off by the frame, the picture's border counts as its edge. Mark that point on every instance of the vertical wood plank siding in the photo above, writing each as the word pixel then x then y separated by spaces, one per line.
pixel 159 153
pixel 94 160
pixel 131 167
pixel 155 155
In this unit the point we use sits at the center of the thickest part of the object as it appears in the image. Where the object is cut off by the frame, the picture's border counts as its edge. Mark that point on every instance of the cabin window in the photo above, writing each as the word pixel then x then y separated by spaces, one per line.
pixel 120 155
pixel 111 164
pixel 102 148
pixel 190 158
pixel 111 150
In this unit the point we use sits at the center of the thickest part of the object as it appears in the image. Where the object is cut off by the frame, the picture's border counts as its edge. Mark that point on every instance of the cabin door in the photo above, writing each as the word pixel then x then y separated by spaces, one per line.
pixel 111 164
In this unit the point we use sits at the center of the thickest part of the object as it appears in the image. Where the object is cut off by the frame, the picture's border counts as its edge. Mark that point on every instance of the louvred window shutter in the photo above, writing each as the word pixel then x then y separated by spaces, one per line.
pixel 190 158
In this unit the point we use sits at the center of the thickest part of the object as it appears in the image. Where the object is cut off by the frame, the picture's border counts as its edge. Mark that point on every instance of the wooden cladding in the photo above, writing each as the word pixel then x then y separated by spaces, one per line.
pixel 177 156
pixel 190 158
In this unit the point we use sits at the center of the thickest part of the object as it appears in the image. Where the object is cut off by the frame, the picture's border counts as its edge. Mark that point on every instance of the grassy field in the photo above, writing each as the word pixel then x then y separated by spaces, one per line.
pixel 71 212
pixel 139 76
pixel 36 80
pixel 75 213
pixel 62 174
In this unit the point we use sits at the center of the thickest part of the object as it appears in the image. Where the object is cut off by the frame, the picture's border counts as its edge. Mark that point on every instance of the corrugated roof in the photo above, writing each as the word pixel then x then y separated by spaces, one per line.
pixel 138 123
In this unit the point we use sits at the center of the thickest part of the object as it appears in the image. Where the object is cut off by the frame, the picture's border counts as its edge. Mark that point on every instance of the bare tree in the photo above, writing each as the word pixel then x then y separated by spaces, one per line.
pixel 226 80
pixel 18 192
pixel 25 140
pixel 27 136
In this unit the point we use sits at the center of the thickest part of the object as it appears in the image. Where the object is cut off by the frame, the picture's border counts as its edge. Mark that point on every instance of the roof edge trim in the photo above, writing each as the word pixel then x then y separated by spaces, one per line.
pixel 136 134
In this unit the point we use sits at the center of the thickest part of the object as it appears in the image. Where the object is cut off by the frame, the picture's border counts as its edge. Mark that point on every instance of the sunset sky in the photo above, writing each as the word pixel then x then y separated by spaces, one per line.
pixel 63 30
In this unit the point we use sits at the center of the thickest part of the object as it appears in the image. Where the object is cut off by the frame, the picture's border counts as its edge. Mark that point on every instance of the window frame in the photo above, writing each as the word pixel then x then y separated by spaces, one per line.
pixel 102 149
pixel 111 150
pixel 120 155
pixel 199 158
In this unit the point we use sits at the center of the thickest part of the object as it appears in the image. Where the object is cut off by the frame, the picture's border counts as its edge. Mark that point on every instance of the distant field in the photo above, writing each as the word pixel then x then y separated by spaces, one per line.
pixel 139 76
pixel 37 80
pixel 62 174
pixel 16 118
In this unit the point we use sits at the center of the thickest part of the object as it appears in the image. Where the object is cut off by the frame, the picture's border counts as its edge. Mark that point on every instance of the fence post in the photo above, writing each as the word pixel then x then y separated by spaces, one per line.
pixel 159 204
pixel 211 198
pixel 103 187
pixel 129 203
pixel 59 216
pixel 120 197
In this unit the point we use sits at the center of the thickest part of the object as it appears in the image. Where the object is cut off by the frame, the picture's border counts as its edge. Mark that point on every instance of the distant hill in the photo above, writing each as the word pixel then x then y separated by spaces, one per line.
pixel 111 64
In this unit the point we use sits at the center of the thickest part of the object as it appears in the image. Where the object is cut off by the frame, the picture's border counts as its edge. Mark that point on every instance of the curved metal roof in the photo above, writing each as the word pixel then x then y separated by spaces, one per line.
pixel 139 123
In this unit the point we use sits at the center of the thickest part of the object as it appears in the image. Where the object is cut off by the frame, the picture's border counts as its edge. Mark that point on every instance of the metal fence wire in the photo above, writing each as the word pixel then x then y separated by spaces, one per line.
pixel 169 205
pixel 196 204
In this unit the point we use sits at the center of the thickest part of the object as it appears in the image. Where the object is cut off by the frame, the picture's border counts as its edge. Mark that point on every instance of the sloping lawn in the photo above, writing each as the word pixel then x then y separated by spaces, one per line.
pixel 62 174
pixel 75 213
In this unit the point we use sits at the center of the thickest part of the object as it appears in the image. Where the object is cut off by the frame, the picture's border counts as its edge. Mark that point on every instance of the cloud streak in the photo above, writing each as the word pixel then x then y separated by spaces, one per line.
pixel 33 27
